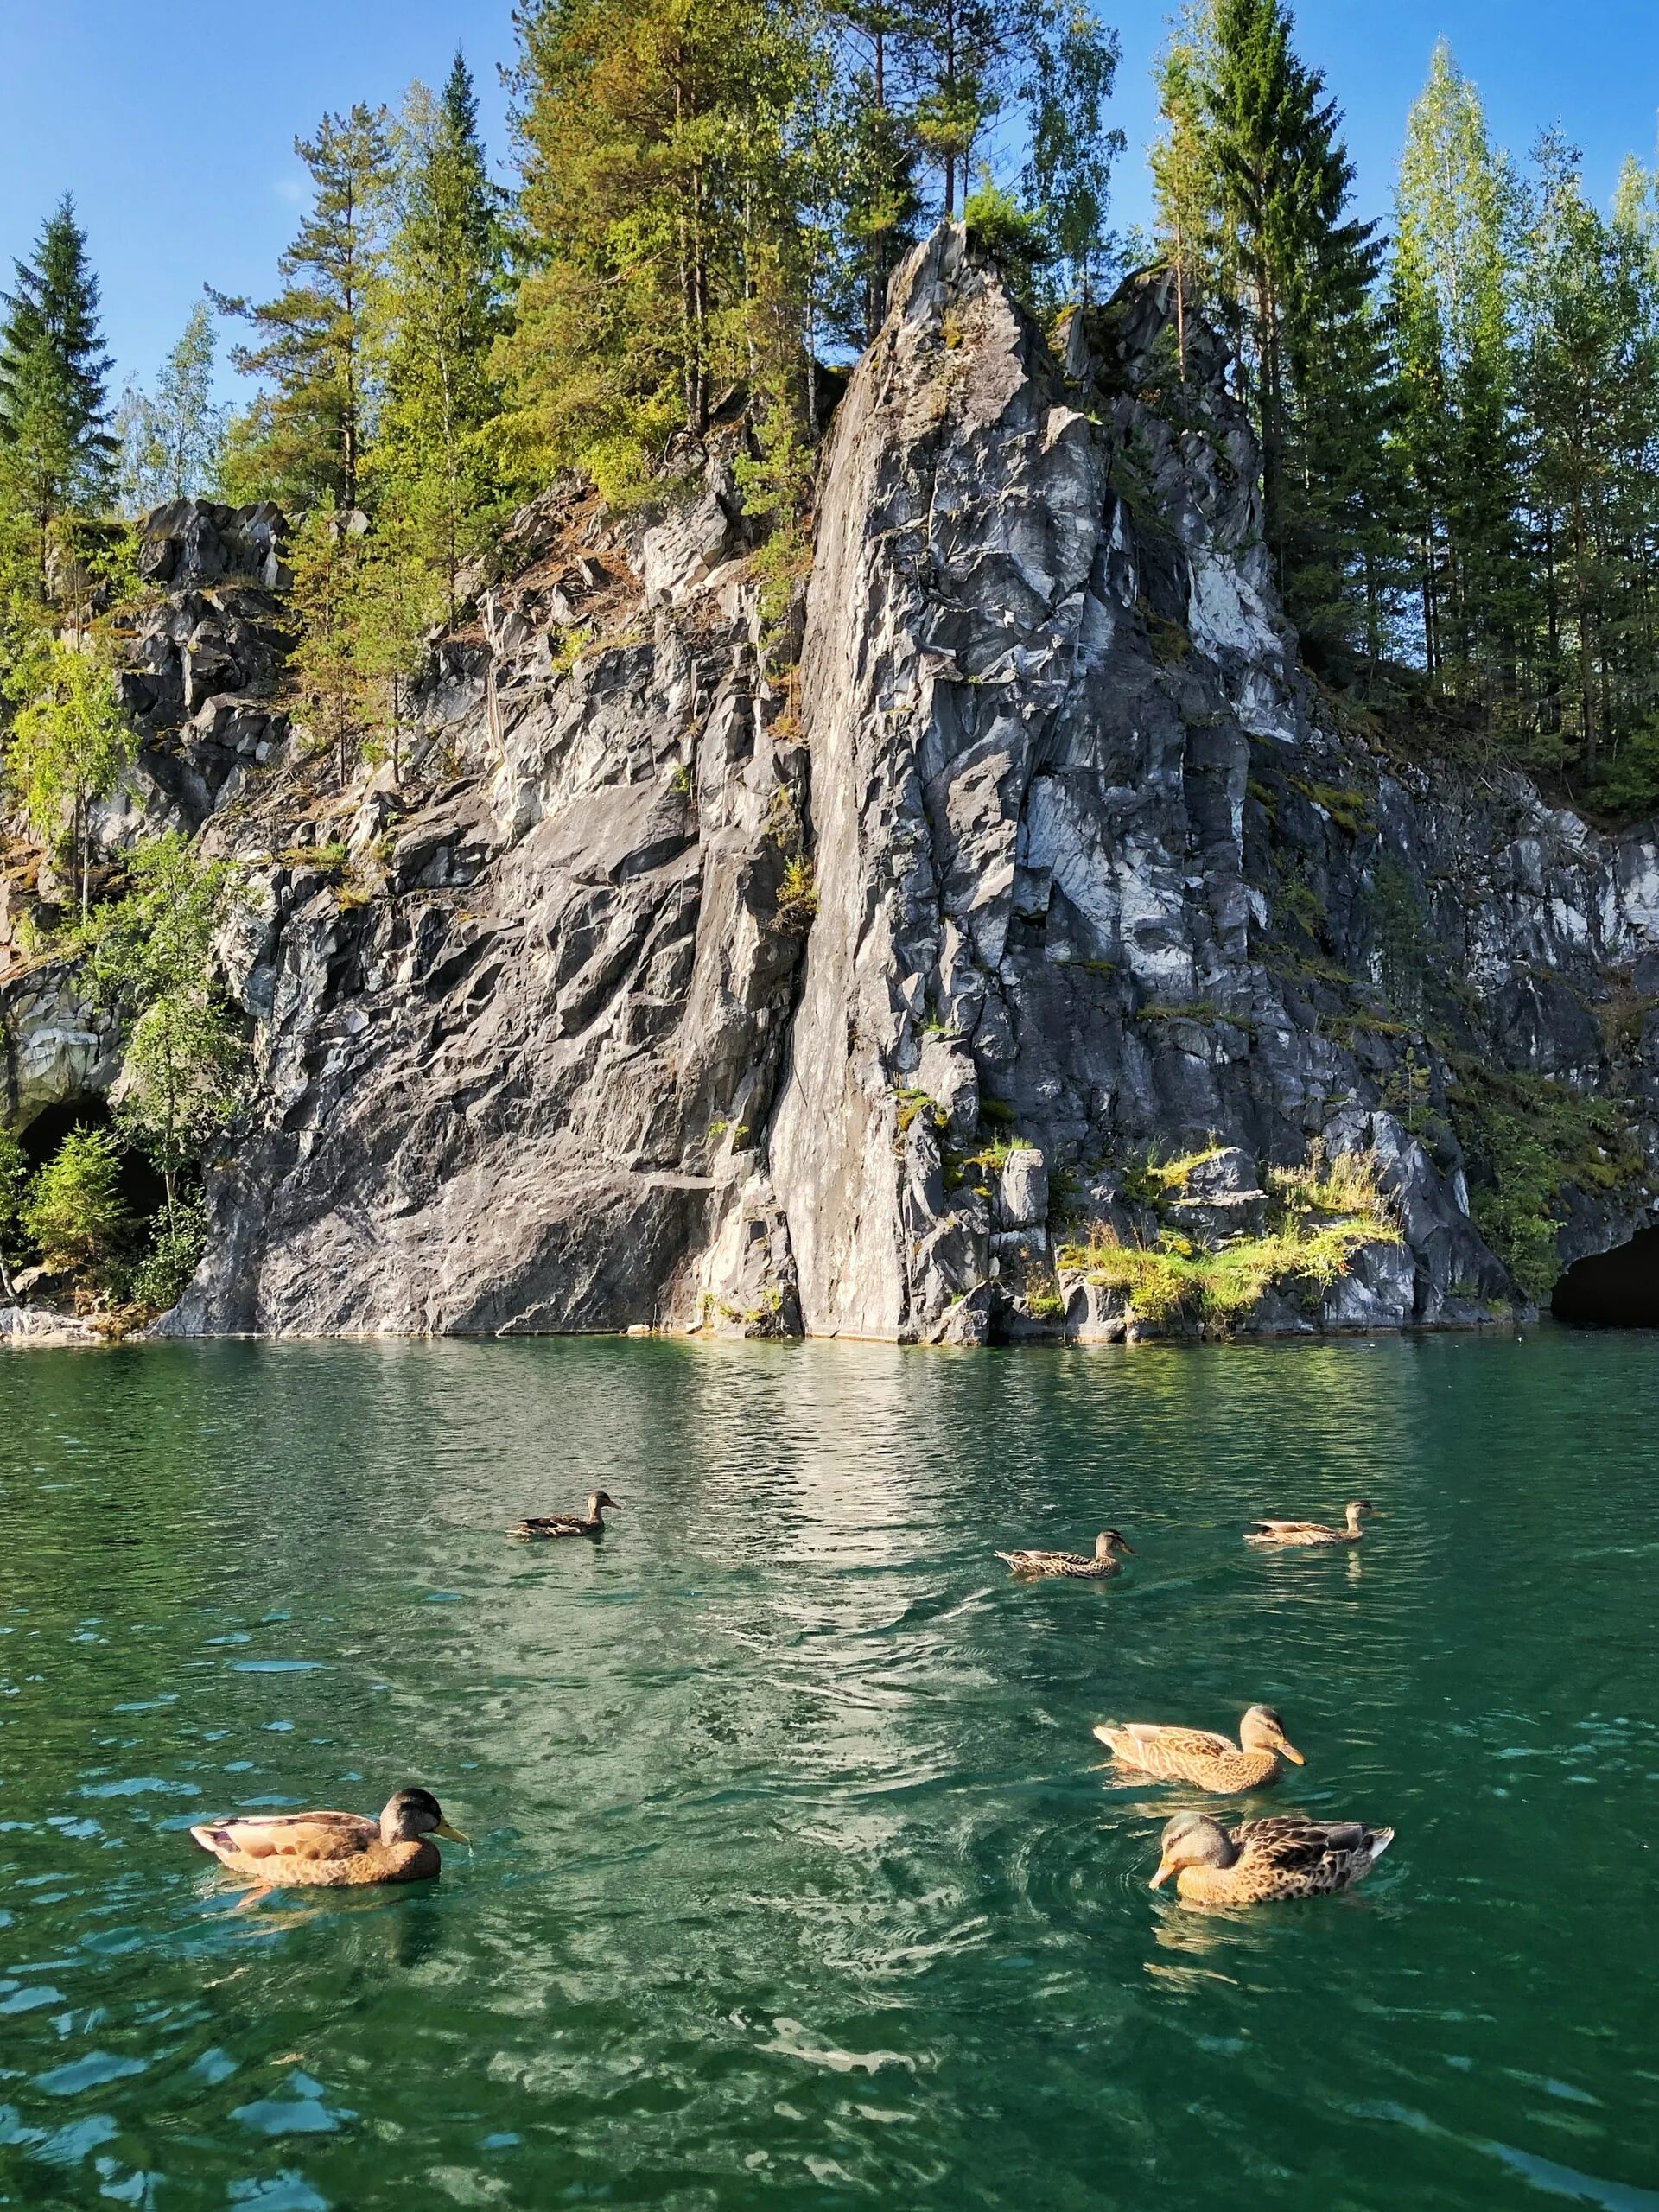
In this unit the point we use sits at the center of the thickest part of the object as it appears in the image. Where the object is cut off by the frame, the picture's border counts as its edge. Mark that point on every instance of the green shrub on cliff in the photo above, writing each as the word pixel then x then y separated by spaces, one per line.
pixel 75 1212
pixel 1325 1213
pixel 1529 1141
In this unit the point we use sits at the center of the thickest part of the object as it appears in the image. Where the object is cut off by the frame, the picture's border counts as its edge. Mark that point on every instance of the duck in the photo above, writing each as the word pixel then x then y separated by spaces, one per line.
pixel 1079 1565
pixel 1308 1533
pixel 541 1526
pixel 333 1851
pixel 1202 1757
pixel 1263 1861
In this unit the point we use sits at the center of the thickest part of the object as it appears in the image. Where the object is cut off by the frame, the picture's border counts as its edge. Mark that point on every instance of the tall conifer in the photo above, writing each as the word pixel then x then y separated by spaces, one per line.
pixel 432 471
pixel 305 437
pixel 56 452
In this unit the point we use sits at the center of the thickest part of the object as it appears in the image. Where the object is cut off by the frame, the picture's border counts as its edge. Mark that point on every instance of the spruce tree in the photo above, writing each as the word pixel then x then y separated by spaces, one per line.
pixel 305 437
pixel 438 314
pixel 1590 386
pixel 1255 188
pixel 56 452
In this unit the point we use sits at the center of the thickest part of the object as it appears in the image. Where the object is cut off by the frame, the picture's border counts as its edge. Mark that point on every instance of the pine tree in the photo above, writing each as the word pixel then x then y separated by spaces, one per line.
pixel 170 438
pixel 55 447
pixel 305 437
pixel 657 210
pixel 439 314
pixel 879 205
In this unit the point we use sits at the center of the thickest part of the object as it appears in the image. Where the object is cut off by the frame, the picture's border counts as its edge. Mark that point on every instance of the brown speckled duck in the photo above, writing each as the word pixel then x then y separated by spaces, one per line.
pixel 1264 1860
pixel 333 1850
pixel 540 1526
pixel 1201 1756
pixel 1306 1534
pixel 1077 1565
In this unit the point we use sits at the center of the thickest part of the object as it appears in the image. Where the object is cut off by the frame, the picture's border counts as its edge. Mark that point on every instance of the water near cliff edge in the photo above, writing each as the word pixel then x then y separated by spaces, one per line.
pixel 793 1883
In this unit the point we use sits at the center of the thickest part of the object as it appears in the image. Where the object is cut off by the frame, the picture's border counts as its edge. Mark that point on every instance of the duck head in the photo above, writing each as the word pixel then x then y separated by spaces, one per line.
pixel 1192 1840
pixel 596 1498
pixel 1358 1507
pixel 412 1813
pixel 1111 1542
pixel 1263 1730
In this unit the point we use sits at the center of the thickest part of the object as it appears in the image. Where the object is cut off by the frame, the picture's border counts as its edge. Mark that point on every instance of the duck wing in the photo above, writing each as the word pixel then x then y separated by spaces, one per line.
pixel 553 1524
pixel 1144 1736
pixel 1293 1532
pixel 1331 1852
pixel 291 1838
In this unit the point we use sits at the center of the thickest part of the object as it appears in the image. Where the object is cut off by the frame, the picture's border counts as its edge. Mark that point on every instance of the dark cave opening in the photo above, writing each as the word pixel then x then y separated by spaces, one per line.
pixel 141 1186
pixel 1613 1290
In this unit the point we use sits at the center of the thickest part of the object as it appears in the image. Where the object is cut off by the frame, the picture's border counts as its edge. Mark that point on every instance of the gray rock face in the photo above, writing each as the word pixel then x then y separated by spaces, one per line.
pixel 672 990
pixel 54 1048
pixel 525 1088
pixel 200 681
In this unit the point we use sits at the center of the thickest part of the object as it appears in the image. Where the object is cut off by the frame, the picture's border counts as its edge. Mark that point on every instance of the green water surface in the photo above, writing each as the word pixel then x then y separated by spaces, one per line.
pixel 794 1880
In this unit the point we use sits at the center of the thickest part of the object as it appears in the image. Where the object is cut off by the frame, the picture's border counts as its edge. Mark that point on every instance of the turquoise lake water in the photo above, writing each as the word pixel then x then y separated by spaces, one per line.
pixel 794 1880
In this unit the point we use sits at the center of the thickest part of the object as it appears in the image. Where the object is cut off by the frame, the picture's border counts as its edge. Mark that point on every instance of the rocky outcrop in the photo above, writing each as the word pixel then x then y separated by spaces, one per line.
pixel 524 1084
pixel 202 680
pixel 54 1048
pixel 686 979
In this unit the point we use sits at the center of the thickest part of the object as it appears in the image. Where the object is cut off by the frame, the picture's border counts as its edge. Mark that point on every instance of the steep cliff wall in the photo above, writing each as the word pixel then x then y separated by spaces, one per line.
pixel 675 982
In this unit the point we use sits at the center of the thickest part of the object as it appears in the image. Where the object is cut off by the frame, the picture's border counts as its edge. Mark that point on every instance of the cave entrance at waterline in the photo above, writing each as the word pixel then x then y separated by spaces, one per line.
pixel 142 1188
pixel 1613 1290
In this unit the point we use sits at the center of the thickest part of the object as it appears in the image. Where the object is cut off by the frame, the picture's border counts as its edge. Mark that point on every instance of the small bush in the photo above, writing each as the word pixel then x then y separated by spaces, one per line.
pixel 160 1279
pixel 797 895
pixel 75 1212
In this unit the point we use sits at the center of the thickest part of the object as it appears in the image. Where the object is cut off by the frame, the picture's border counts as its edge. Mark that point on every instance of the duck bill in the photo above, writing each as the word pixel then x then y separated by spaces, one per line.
pixel 1289 1750
pixel 1163 1874
pixel 1123 1547
pixel 452 1835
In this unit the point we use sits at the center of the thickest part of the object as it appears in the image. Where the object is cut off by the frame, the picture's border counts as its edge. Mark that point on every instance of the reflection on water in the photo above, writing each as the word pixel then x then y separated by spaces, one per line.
pixel 796 1871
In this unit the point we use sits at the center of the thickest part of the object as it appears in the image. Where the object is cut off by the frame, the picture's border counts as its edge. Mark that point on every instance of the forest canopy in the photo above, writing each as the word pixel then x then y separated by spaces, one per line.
pixel 1457 406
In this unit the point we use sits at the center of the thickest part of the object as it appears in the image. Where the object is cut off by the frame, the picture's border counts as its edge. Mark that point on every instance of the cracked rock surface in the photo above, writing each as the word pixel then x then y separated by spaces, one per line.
pixel 675 981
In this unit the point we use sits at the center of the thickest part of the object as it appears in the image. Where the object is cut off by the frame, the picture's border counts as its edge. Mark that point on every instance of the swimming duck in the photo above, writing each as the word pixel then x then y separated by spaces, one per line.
pixel 1264 1860
pixel 1305 1533
pixel 591 1523
pixel 333 1850
pixel 1200 1756
pixel 1079 1565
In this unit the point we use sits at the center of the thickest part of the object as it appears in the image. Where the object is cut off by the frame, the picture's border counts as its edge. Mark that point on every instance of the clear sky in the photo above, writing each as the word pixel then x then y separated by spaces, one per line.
pixel 173 121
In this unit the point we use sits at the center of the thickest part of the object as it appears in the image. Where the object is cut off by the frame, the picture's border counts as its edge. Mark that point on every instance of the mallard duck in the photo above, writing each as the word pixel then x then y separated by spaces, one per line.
pixel 1202 1757
pixel 1307 1533
pixel 333 1850
pixel 1262 1860
pixel 591 1523
pixel 1079 1565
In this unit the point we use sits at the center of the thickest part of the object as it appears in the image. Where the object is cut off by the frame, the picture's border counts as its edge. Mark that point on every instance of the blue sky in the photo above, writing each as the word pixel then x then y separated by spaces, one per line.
pixel 173 121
